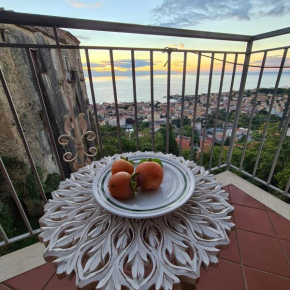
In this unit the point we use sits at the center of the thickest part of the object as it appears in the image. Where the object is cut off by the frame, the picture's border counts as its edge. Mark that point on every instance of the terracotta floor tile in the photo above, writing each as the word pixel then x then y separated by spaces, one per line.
pixel 228 276
pixel 232 253
pixel 226 189
pixel 263 252
pixel 34 279
pixel 61 284
pixel 240 197
pixel 259 280
pixel 254 220
pixel 286 247
pixel 281 225
pixel 3 287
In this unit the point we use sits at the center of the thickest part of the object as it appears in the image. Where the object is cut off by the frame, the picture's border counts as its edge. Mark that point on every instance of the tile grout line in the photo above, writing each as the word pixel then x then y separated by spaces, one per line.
pixel 279 241
pixel 248 206
pixel 241 260
pixel 251 267
pixel 7 285
pixel 257 233
pixel 242 264
pixel 48 280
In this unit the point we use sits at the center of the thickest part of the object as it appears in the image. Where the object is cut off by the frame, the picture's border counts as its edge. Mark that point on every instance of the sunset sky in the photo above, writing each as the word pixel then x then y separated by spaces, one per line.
pixel 228 16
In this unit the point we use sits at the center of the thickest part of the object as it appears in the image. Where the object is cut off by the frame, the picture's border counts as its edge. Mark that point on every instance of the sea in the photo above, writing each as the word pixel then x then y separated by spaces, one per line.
pixel 103 88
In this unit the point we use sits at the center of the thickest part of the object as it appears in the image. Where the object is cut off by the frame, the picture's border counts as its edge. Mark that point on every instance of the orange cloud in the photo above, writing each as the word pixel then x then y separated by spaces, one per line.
pixel 180 45
pixel 82 5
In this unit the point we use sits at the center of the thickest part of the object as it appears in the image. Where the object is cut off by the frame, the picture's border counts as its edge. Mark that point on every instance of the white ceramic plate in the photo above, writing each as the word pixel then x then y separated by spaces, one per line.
pixel 177 187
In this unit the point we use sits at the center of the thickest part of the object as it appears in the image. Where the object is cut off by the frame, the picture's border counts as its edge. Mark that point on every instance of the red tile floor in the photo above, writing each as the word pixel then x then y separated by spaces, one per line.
pixel 258 257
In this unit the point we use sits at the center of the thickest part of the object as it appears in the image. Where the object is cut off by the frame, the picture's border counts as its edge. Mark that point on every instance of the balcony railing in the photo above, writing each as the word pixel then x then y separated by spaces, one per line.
pixel 212 165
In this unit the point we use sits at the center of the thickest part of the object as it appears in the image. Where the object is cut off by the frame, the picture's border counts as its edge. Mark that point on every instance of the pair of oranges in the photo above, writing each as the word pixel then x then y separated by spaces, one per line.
pixel 124 182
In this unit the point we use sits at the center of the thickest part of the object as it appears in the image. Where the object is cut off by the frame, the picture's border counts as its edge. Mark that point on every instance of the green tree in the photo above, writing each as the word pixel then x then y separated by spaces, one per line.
pixel 160 140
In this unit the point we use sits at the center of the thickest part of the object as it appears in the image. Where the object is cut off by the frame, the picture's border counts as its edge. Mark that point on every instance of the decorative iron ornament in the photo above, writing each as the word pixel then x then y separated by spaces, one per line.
pixel 81 157
pixel 105 251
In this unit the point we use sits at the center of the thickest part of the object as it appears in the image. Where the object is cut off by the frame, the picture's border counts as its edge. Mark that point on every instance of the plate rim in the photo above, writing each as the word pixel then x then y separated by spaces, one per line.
pixel 147 214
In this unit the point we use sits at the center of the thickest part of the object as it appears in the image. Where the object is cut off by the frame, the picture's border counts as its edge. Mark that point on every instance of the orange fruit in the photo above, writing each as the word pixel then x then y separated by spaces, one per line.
pixel 149 175
pixel 122 165
pixel 120 185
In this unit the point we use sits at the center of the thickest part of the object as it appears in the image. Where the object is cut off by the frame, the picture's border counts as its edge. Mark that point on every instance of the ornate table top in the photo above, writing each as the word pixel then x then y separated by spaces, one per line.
pixel 106 251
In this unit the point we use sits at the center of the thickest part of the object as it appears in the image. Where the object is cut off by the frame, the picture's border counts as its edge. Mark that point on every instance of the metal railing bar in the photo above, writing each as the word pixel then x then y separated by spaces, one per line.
pixel 20 130
pixel 218 167
pixel 4 236
pixel 253 109
pixel 270 111
pixel 271 34
pixel 55 35
pixel 271 49
pixel 195 105
pixel 287 188
pixel 260 180
pixel 240 99
pixel 152 99
pixel 67 93
pixel 94 102
pixel 135 98
pixel 287 106
pixel 228 108
pixel 20 237
pixel 282 138
pixel 168 99
pixel 182 102
pixel 92 47
pixel 207 107
pixel 116 100
pixel 46 118
pixel 15 196
pixel 217 110
pixel 76 23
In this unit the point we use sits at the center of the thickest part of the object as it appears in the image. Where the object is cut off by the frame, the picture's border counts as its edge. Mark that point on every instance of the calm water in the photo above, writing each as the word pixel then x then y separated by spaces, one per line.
pixel 104 92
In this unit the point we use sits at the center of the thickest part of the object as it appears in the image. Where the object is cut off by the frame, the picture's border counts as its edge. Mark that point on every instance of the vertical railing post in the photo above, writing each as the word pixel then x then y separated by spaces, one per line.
pixel 20 130
pixel 240 100
pixel 15 196
pixel 287 188
pixel 4 236
pixel 94 101
pixel 253 109
pixel 228 109
pixel 207 107
pixel 116 99
pixel 135 98
pixel 217 110
pixel 282 138
pixel 182 102
pixel 270 112
pixel 168 99
pixel 152 131
pixel 195 104
pixel 41 99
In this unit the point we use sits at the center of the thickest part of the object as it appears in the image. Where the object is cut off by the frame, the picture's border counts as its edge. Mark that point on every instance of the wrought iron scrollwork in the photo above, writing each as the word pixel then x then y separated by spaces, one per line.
pixel 81 158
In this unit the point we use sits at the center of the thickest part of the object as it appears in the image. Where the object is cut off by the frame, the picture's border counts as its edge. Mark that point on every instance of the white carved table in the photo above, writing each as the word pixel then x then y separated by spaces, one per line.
pixel 105 251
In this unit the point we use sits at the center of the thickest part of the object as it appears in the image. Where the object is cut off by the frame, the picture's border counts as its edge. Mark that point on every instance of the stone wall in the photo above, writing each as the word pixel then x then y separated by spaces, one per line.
pixel 18 74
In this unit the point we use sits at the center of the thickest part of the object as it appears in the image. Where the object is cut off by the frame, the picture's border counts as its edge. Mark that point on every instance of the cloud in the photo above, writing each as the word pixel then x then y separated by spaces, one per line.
pixel 120 64
pixel 82 5
pixel 273 60
pixel 185 13
pixel 83 37
pixel 180 45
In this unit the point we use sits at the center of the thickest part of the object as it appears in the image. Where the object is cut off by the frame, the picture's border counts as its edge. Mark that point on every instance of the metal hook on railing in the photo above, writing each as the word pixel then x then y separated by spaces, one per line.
pixel 168 50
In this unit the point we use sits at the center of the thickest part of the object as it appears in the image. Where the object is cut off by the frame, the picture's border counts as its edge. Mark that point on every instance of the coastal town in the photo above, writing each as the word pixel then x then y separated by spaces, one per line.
pixel 107 114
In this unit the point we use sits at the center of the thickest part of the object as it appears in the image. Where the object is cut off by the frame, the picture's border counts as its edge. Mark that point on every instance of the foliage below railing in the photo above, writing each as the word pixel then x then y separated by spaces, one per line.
pixel 28 192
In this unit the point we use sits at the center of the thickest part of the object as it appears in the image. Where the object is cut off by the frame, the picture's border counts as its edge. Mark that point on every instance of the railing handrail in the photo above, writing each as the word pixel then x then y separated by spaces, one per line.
pixel 10 17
